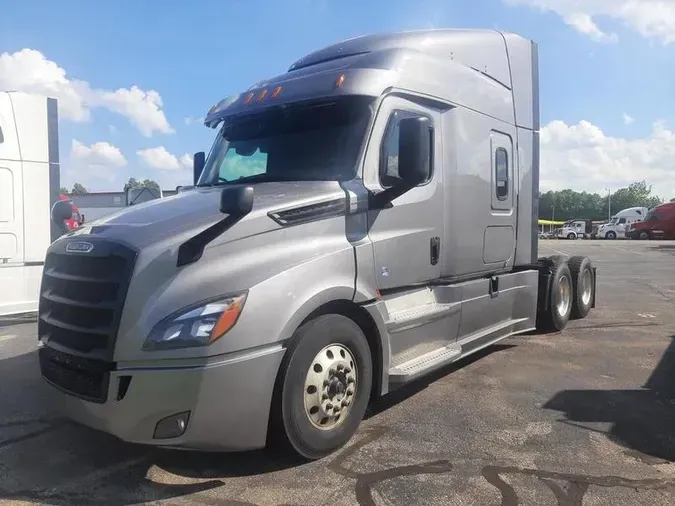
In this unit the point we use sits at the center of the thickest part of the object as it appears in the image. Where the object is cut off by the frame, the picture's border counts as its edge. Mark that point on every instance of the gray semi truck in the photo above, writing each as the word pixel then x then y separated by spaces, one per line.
pixel 361 220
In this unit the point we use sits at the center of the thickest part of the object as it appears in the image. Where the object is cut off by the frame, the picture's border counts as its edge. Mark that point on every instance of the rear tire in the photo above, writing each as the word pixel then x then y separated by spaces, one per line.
pixel 324 387
pixel 644 236
pixel 583 286
pixel 557 315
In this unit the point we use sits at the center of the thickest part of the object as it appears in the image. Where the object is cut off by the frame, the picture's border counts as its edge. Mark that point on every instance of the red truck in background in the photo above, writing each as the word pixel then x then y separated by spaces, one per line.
pixel 75 219
pixel 658 224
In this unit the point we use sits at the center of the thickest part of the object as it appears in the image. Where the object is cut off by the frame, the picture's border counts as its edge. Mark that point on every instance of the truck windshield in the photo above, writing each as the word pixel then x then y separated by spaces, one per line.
pixel 308 141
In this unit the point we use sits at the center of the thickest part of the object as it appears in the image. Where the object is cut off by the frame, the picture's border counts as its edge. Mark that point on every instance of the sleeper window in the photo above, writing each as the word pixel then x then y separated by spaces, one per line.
pixel 502 173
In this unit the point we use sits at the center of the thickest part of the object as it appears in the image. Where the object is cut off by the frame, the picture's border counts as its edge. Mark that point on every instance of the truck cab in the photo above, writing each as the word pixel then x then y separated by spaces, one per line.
pixel 575 229
pixel 361 220
pixel 658 224
pixel 29 186
pixel 622 221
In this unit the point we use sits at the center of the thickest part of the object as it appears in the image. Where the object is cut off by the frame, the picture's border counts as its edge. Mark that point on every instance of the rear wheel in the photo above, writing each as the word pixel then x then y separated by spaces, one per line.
pixel 644 235
pixel 324 387
pixel 557 315
pixel 583 286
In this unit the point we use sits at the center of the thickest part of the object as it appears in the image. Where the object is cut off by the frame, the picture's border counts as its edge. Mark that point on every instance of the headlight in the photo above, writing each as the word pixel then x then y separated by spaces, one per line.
pixel 197 325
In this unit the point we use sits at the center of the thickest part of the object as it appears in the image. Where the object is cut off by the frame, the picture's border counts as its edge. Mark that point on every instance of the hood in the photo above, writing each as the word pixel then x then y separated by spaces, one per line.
pixel 196 209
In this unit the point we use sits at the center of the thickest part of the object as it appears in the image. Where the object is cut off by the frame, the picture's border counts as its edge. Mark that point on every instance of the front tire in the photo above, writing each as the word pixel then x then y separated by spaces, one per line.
pixel 324 387
pixel 571 236
pixel 610 235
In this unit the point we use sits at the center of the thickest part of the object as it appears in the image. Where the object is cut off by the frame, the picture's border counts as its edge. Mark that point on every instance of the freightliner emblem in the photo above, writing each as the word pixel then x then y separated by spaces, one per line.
pixel 79 247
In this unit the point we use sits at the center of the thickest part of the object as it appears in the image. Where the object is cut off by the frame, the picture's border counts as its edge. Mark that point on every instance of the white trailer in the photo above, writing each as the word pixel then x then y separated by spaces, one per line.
pixel 29 186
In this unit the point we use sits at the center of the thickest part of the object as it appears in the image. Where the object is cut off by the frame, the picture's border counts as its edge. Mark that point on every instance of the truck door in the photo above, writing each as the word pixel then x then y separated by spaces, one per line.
pixel 406 236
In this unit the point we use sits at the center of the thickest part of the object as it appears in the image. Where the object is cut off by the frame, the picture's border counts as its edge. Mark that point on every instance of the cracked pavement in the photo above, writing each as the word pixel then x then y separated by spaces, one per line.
pixel 585 416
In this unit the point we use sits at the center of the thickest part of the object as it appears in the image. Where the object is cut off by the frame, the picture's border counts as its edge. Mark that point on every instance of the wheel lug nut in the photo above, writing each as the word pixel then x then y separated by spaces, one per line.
pixel 324 396
pixel 350 380
pixel 326 383
pixel 331 371
pixel 347 370
pixel 340 367
pixel 329 406
pixel 345 403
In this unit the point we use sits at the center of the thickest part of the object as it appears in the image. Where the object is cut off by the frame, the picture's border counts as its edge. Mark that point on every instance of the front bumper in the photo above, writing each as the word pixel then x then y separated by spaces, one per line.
pixel 228 401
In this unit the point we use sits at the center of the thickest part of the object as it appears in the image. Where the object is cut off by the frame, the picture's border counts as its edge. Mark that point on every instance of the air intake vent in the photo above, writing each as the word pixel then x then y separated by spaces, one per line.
pixel 311 212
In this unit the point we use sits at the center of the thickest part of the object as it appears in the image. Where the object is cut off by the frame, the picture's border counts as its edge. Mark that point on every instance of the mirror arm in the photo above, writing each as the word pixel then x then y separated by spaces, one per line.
pixel 383 199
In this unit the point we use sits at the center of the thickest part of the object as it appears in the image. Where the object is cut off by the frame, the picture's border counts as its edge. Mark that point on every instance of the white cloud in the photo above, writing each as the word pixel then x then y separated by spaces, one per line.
pixel 193 121
pixel 627 119
pixel 30 71
pixel 99 154
pixel 97 161
pixel 582 157
pixel 186 160
pixel 650 18
pixel 161 159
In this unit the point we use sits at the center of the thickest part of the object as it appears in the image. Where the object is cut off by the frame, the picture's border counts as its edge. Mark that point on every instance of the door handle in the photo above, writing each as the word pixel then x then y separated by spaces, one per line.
pixel 434 249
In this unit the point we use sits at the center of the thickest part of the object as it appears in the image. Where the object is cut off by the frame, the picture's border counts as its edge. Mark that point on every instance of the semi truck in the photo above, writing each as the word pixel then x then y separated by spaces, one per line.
pixel 658 224
pixel 29 186
pixel 621 222
pixel 361 220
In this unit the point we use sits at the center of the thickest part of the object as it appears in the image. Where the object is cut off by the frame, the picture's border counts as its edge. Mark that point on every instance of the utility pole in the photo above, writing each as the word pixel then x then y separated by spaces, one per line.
pixel 609 204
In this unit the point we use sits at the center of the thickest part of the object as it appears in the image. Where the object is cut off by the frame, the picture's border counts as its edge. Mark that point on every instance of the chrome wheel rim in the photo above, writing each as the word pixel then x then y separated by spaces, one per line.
pixel 564 295
pixel 330 387
pixel 586 287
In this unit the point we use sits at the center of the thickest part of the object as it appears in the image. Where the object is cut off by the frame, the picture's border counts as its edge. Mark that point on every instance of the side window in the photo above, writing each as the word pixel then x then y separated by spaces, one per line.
pixel 622 221
pixel 502 173
pixel 389 149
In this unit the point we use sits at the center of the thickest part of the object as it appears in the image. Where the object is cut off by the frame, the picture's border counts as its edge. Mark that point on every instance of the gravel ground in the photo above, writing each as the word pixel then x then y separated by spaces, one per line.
pixel 581 417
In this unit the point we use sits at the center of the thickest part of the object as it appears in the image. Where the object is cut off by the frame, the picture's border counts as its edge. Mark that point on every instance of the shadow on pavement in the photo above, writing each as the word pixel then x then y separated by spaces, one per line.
pixel 46 459
pixel 642 419
pixel 664 248
pixel 8 321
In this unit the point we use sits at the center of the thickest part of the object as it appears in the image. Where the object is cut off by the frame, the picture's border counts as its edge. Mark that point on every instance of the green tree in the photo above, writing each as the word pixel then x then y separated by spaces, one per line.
pixel 147 183
pixel 64 190
pixel 79 189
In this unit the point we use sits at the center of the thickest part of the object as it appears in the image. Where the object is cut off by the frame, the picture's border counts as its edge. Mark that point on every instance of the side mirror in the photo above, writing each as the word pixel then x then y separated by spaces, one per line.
pixel 414 150
pixel 198 162
pixel 236 200
pixel 82 219
pixel 61 211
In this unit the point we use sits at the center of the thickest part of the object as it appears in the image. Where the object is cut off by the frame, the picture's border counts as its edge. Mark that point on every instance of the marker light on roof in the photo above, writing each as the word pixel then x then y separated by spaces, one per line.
pixel 276 92
pixel 249 97
pixel 340 81
pixel 262 95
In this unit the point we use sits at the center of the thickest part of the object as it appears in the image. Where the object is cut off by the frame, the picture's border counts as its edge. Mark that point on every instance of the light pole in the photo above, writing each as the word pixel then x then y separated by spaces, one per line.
pixel 609 204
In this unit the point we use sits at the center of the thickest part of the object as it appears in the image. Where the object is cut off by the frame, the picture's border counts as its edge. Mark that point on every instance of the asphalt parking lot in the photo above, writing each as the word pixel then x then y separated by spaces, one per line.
pixel 584 417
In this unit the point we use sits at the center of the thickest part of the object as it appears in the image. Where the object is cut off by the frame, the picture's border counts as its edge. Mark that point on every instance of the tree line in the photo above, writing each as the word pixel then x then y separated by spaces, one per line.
pixel 79 189
pixel 569 204
pixel 553 205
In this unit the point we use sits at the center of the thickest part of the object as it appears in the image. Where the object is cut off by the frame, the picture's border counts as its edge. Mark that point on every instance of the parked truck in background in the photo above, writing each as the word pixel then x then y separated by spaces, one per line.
pixel 620 222
pixel 29 186
pixel 659 224
pixel 361 220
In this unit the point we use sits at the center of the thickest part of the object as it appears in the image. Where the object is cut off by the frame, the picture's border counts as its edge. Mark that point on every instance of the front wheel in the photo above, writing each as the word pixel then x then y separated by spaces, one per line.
pixel 571 236
pixel 610 235
pixel 324 387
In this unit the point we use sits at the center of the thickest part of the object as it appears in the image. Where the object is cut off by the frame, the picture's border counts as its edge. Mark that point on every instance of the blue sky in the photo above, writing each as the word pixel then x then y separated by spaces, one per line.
pixel 591 74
